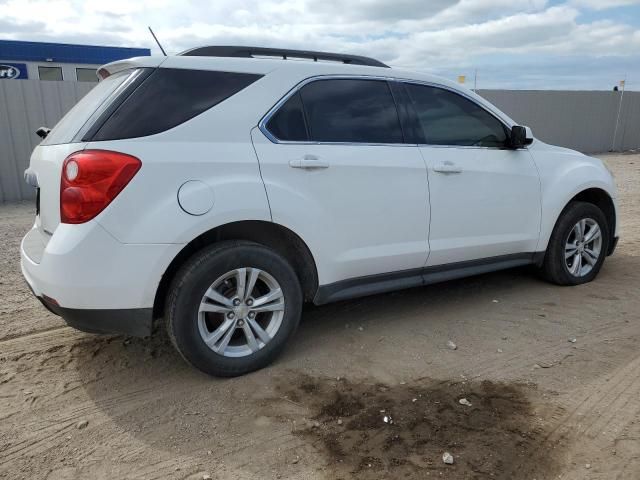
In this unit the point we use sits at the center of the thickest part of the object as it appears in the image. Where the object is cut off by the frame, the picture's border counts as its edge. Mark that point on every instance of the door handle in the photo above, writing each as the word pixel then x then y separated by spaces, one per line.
pixel 308 162
pixel 447 167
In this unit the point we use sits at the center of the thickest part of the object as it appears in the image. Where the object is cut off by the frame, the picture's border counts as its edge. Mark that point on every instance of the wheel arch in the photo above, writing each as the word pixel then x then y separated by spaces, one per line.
pixel 600 198
pixel 281 239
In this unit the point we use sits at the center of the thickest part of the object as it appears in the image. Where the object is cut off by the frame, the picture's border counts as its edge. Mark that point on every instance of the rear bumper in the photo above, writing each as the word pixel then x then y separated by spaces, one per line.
pixel 136 322
pixel 95 283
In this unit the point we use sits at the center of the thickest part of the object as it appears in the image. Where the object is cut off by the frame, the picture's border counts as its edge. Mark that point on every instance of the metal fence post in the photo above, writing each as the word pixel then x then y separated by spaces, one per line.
pixel 615 130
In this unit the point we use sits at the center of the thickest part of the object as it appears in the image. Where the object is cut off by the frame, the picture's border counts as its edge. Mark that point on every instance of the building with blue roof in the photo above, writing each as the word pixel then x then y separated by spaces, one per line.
pixel 58 61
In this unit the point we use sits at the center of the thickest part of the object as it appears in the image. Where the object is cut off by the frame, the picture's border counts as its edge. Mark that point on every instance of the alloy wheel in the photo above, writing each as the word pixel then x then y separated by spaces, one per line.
pixel 583 247
pixel 241 312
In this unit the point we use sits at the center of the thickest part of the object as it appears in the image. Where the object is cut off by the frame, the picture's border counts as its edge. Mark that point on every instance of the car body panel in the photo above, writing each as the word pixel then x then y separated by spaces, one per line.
pixel 564 173
pixel 367 213
pixel 84 267
pixel 230 169
pixel 490 207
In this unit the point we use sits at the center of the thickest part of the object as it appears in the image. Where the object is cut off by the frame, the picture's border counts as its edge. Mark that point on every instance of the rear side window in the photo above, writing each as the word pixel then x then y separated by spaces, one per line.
pixel 450 119
pixel 354 111
pixel 288 122
pixel 169 97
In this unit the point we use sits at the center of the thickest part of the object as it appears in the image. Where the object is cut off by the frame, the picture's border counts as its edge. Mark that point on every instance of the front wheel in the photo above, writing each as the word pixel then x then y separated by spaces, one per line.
pixel 232 307
pixel 578 245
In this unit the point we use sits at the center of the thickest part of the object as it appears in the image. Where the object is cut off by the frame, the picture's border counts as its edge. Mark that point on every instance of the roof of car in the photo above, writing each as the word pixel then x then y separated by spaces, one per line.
pixel 300 69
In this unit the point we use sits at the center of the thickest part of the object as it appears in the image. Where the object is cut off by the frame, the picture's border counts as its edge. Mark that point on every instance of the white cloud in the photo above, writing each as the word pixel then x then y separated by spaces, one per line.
pixel 439 35
pixel 603 4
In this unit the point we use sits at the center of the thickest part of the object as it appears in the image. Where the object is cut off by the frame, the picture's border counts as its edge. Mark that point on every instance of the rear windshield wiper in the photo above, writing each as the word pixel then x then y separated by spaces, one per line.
pixel 42 132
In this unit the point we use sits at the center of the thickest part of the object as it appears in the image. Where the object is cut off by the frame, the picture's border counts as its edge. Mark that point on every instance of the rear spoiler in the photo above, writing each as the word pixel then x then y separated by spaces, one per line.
pixel 135 62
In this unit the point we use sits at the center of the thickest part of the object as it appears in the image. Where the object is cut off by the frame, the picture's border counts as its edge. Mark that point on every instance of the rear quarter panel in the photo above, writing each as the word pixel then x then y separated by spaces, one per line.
pixel 148 211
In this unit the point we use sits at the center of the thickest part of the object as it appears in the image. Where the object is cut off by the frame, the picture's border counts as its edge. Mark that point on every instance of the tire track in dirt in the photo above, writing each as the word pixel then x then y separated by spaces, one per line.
pixel 610 395
pixel 599 395
pixel 546 353
pixel 620 405
pixel 41 341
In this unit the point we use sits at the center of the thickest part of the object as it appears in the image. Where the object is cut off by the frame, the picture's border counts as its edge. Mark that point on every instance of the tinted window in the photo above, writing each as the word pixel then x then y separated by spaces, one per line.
pixel 450 119
pixel 169 97
pixel 288 122
pixel 83 111
pixel 351 111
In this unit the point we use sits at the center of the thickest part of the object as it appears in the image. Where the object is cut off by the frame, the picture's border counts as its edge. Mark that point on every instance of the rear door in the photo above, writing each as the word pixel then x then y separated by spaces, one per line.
pixel 338 172
pixel 485 196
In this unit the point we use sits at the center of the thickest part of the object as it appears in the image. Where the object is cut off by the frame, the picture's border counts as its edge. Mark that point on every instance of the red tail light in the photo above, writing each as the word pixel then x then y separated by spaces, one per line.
pixel 91 179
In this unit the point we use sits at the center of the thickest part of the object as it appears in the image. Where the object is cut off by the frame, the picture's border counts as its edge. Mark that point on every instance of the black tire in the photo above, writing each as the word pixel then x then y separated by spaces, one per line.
pixel 197 275
pixel 554 267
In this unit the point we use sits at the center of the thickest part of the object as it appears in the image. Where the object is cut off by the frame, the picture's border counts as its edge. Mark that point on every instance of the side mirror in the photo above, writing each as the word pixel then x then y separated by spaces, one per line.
pixel 521 136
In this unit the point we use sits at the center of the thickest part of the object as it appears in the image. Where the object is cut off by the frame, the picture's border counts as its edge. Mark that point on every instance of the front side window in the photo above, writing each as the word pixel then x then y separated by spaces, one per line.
pixel 353 111
pixel 50 73
pixel 448 118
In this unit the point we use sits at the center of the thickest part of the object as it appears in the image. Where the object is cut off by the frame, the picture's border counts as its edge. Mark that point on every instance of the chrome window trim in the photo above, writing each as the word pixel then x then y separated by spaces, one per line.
pixel 262 124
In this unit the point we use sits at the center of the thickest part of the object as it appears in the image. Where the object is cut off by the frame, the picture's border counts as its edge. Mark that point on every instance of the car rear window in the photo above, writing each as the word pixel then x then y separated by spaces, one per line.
pixel 169 97
pixel 102 94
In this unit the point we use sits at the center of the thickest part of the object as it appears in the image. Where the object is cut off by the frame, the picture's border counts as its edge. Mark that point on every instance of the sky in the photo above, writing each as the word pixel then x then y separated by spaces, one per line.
pixel 520 44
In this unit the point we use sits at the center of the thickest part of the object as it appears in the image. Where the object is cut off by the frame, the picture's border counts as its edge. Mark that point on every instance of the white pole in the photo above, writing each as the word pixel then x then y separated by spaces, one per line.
pixel 615 131
pixel 475 81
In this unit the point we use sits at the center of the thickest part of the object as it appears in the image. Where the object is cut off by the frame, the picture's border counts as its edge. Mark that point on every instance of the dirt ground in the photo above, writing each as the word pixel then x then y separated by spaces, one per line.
pixel 367 390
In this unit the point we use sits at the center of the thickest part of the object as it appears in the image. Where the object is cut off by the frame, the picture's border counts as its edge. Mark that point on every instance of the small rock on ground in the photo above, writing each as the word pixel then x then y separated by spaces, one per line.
pixel 451 345
pixel 465 402
pixel 447 458
pixel 82 424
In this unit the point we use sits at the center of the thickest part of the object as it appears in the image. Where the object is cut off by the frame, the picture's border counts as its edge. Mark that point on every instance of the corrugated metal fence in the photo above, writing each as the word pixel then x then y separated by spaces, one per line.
pixel 583 121
pixel 26 105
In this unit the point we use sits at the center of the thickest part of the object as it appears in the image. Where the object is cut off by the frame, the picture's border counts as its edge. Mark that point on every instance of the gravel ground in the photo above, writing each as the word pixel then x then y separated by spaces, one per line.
pixel 77 406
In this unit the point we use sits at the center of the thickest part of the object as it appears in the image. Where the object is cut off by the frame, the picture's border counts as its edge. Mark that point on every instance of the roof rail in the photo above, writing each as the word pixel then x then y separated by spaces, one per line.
pixel 250 52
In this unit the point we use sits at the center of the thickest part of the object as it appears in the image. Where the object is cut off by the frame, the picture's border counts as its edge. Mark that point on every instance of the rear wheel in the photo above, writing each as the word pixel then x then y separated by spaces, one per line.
pixel 578 245
pixel 232 307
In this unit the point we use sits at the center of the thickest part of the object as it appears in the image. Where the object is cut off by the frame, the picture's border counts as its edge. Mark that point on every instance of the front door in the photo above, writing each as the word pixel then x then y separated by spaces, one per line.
pixel 485 197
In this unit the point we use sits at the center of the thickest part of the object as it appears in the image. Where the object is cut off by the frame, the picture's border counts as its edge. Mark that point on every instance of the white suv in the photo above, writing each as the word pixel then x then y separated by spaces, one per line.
pixel 220 190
